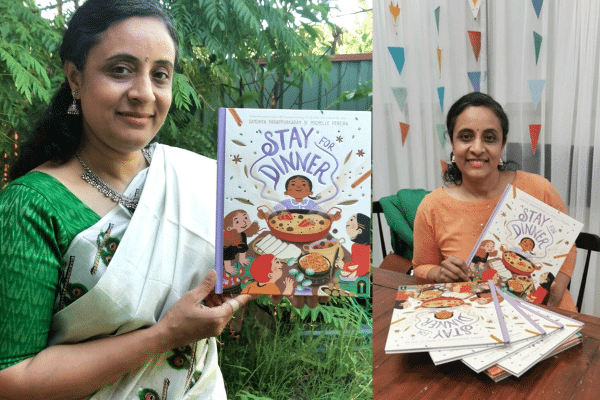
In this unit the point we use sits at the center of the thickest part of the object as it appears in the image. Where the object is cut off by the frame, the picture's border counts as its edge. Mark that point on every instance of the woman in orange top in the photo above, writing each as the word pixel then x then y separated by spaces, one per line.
pixel 450 219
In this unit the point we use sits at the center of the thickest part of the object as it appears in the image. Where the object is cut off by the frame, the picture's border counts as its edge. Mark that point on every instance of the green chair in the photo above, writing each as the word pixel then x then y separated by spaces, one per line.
pixel 399 211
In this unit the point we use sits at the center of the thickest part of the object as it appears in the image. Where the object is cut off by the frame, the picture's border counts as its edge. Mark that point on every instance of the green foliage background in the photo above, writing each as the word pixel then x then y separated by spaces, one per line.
pixel 233 53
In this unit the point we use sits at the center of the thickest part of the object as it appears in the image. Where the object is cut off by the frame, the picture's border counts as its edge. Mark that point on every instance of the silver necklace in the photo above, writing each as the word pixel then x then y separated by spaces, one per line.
pixel 90 177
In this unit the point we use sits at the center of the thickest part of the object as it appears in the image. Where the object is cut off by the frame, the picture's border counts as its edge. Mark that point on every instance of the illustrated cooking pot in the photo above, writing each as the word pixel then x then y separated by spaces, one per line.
pixel 299 225
pixel 329 248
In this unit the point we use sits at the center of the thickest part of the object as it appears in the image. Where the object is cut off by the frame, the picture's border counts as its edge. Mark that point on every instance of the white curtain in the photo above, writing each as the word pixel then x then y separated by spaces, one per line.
pixel 544 69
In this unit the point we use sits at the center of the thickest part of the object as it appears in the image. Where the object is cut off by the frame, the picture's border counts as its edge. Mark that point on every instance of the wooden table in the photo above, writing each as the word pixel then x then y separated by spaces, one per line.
pixel 572 374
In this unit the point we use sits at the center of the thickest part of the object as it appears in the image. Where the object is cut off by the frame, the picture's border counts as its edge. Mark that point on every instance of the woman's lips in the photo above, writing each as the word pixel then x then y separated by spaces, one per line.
pixel 477 163
pixel 136 118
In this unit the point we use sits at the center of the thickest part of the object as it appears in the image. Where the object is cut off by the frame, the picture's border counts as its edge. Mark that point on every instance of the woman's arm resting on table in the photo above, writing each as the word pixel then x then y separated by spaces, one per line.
pixel 73 370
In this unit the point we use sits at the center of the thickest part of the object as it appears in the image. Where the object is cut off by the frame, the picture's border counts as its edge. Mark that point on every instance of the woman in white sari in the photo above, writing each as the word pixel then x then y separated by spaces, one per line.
pixel 106 281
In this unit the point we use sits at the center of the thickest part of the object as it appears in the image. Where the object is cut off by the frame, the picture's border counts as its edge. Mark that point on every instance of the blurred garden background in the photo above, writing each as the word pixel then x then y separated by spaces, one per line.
pixel 292 54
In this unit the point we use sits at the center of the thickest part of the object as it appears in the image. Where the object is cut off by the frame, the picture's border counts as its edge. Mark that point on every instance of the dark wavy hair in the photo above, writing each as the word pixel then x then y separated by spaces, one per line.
pixel 58 135
pixel 474 99
pixel 364 223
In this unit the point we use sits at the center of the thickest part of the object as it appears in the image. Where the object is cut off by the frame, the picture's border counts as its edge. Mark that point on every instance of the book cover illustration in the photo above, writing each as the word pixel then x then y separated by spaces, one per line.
pixel 544 324
pixel 523 245
pixel 294 202
pixel 453 315
pixel 521 326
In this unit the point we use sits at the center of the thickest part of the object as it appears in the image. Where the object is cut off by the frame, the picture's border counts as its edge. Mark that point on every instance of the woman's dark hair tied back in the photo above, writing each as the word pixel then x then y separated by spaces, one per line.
pixel 58 135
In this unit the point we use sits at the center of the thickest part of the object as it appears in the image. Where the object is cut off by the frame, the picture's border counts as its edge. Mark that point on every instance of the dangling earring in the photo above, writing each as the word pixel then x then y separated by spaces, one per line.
pixel 500 162
pixel 74 108
pixel 453 159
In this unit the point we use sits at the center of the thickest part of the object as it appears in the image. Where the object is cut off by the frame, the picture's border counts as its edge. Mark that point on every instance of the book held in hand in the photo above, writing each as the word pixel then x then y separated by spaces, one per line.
pixel 294 202
pixel 523 245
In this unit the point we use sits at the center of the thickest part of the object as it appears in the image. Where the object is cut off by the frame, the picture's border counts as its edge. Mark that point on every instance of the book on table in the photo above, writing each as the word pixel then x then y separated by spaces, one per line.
pixel 294 202
pixel 455 321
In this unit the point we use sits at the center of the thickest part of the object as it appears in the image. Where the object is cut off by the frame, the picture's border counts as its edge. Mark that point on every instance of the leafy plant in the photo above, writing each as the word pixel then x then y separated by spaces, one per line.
pixel 277 355
pixel 29 69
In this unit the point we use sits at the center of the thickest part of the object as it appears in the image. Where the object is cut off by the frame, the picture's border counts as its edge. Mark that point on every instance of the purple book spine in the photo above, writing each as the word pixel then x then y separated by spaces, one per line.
pixel 487 225
pixel 220 199
pixel 505 335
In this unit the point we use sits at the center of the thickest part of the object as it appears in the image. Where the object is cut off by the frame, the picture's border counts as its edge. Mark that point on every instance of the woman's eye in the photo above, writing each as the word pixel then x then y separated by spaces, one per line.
pixel 465 137
pixel 120 70
pixel 162 76
pixel 490 138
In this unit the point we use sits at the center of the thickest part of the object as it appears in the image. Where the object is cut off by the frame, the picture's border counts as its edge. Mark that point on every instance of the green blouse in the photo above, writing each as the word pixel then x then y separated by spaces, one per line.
pixel 39 217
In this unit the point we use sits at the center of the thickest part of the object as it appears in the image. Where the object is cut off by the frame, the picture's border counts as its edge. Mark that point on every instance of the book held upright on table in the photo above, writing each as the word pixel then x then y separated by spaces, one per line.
pixel 523 245
pixel 294 202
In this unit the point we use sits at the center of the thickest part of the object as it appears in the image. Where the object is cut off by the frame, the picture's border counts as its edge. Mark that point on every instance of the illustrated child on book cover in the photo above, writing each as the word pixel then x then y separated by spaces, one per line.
pixel 237 228
pixel 359 229
pixel 266 270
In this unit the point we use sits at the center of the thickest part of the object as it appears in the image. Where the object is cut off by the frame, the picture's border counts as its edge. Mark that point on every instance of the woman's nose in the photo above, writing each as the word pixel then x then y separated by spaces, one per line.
pixel 142 89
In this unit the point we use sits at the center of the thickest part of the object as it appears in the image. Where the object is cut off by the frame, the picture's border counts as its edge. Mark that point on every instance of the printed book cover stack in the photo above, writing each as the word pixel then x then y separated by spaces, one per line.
pixel 488 330
pixel 294 202
pixel 492 323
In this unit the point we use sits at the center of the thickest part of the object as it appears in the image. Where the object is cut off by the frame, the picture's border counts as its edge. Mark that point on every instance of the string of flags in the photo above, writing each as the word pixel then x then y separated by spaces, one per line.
pixel 398 55
pixel 536 86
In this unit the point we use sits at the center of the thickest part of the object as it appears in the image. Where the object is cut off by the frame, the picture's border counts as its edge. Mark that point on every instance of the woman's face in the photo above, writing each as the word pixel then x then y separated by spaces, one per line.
pixel 477 143
pixel 125 87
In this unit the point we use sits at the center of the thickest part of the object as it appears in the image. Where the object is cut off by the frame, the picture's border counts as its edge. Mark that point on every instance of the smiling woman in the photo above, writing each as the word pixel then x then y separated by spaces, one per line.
pixel 88 193
pixel 450 219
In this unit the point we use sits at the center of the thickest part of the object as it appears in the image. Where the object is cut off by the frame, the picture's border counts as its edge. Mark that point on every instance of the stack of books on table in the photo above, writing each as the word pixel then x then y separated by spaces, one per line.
pixel 475 322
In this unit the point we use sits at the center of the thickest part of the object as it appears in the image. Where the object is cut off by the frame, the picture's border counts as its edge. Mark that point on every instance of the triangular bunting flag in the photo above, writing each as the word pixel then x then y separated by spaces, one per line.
pixel 475 78
pixel 475 37
pixel 537 5
pixel 437 19
pixel 398 57
pixel 395 11
pixel 441 128
pixel 439 55
pixel 475 4
pixel 537 41
pixel 441 97
pixel 400 95
pixel 536 86
pixel 404 129
pixel 534 133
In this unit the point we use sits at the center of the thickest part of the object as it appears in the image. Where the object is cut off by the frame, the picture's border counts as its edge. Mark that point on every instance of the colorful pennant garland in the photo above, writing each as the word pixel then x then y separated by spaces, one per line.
pixel 398 57
pixel 404 129
pixel 400 93
pixel 537 5
pixel 475 37
pixel 534 133
pixel 537 42
pixel 439 57
pixel 440 91
pixel 395 11
pixel 441 128
pixel 437 18
pixel 475 78
pixel 475 4
pixel 536 86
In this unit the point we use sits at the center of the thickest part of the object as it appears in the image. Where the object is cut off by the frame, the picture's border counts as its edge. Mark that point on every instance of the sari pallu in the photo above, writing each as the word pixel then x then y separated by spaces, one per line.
pixel 166 250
